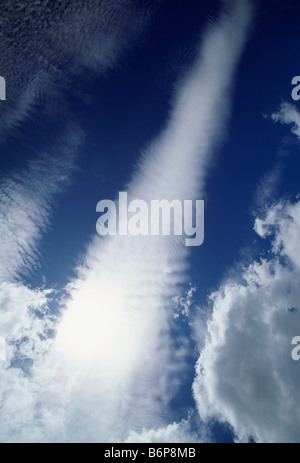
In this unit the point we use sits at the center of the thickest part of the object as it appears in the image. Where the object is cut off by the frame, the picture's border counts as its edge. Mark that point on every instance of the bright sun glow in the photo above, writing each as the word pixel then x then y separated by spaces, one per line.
pixel 97 325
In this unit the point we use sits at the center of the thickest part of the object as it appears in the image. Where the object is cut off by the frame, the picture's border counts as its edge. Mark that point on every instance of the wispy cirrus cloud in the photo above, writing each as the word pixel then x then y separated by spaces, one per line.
pixel 45 45
pixel 53 44
pixel 114 367
pixel 26 200
pixel 90 37
pixel 26 323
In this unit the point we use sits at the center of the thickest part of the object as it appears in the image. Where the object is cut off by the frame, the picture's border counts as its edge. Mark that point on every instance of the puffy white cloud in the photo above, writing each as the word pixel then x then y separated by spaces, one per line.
pixel 284 217
pixel 245 373
pixel 15 301
pixel 173 433
pixel 288 114
pixel 27 327
pixel 26 323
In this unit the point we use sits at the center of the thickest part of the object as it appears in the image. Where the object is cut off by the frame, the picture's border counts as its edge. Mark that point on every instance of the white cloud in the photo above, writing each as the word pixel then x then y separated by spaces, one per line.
pixel 182 304
pixel 26 323
pixel 284 217
pixel 56 41
pixel 288 114
pixel 138 367
pixel 267 187
pixel 245 373
pixel 26 199
pixel 173 433
pixel 15 300
pixel 118 367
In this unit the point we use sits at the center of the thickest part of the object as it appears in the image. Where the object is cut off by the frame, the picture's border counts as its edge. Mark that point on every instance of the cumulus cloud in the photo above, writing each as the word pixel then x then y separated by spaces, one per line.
pixel 284 217
pixel 288 114
pixel 26 322
pixel 173 433
pixel 15 299
pixel 245 373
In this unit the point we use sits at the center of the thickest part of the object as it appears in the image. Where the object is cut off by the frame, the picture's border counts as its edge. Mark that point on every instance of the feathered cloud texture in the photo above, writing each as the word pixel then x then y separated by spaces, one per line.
pixel 26 199
pixel 44 45
pixel 113 366
pixel 26 322
pixel 119 307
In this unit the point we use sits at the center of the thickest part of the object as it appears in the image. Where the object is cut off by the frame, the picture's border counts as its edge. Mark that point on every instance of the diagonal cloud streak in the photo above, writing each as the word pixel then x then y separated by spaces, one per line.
pixel 116 321
pixel 113 367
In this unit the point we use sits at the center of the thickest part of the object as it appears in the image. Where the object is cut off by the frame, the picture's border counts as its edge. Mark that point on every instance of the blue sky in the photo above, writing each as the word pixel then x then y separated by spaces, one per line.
pixel 140 338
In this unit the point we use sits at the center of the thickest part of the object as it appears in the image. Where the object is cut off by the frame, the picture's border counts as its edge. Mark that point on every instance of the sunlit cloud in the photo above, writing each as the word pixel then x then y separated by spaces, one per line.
pixel 144 272
pixel 112 368
pixel 245 373
pixel 173 433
